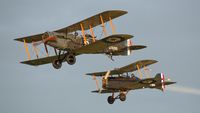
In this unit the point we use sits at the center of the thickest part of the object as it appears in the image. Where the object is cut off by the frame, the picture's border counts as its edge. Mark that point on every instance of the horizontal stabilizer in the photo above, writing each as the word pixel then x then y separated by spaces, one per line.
pixel 134 47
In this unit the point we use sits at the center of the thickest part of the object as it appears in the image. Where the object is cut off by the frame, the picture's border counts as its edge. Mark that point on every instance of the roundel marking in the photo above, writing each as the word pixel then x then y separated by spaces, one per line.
pixel 113 39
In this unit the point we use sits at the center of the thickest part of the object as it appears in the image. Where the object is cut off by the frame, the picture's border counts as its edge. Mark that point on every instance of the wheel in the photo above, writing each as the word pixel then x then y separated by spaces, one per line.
pixel 122 96
pixel 111 100
pixel 57 64
pixel 71 59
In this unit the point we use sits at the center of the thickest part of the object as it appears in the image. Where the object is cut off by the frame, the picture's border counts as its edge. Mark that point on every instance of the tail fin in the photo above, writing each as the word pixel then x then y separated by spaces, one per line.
pixel 129 43
pixel 160 77
pixel 129 47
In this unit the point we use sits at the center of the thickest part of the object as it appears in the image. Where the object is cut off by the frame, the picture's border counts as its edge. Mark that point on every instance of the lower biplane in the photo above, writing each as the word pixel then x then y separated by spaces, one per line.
pixel 121 80
pixel 67 43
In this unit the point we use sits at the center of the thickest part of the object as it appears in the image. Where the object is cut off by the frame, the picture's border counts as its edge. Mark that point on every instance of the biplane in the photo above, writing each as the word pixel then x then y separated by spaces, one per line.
pixel 122 80
pixel 73 40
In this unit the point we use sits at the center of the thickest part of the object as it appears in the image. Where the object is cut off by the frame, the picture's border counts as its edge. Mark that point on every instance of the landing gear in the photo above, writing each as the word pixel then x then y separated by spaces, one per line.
pixel 111 99
pixel 57 64
pixel 70 58
pixel 122 96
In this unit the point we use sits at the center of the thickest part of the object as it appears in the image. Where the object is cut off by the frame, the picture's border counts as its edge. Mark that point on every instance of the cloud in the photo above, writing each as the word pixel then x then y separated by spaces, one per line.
pixel 183 89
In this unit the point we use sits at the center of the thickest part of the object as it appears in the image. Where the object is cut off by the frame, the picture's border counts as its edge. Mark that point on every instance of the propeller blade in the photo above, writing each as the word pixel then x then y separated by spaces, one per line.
pixel 37 43
pixel 51 38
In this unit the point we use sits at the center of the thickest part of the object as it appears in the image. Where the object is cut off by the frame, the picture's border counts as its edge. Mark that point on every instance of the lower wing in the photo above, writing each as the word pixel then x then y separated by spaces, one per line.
pixel 42 61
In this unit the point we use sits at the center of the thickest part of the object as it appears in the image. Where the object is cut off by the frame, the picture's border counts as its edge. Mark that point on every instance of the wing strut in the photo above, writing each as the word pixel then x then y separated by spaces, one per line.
pixel 139 71
pixel 27 52
pixel 97 84
pixel 92 33
pixel 103 25
pixel 112 26
pixel 55 51
pixel 83 33
pixel 46 50
pixel 35 49
pixel 146 71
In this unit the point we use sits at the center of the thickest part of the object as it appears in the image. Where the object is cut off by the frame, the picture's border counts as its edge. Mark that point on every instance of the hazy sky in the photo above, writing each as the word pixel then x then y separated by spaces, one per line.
pixel 169 28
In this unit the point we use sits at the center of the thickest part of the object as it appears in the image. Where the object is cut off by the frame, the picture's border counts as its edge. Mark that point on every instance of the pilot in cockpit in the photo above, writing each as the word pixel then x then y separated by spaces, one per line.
pixel 134 77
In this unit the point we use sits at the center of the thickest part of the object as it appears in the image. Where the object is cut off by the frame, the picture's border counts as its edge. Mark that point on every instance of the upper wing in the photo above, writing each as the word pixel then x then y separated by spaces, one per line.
pixel 129 68
pixel 41 61
pixel 93 21
pixel 30 39
pixel 100 45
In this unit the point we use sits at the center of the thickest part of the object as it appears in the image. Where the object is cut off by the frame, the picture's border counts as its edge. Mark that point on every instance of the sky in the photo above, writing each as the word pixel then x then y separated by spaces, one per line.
pixel 170 30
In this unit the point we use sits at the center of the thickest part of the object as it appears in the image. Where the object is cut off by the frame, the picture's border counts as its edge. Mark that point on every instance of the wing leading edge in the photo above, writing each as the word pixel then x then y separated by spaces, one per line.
pixel 93 21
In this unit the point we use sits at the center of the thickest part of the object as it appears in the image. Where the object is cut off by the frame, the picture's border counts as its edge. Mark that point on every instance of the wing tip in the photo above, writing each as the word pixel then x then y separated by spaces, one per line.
pixel 152 61
pixel 117 10
pixel 88 74
pixel 95 91
pixel 18 39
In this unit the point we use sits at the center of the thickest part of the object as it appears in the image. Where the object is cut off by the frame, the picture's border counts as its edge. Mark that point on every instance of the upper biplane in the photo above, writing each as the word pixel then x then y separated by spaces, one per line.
pixel 67 43
pixel 122 80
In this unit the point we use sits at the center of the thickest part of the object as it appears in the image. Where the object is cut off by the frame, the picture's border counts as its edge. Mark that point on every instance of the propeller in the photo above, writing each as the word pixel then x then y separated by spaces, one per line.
pixel 51 38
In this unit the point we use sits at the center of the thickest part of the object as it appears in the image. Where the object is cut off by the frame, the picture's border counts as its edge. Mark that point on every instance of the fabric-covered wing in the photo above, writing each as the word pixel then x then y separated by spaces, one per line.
pixel 133 66
pixel 129 68
pixel 100 45
pixel 92 21
pixel 30 39
pixel 41 61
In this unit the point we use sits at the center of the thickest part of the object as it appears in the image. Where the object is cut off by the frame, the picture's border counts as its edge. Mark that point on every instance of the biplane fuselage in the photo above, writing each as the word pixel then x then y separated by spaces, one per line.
pixel 124 83
pixel 71 42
